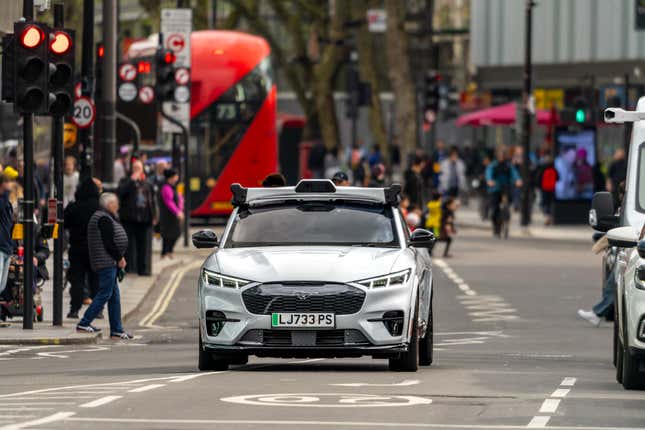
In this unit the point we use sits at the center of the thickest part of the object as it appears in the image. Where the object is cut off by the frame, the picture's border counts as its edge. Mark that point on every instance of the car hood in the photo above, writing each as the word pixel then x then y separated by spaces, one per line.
pixel 337 264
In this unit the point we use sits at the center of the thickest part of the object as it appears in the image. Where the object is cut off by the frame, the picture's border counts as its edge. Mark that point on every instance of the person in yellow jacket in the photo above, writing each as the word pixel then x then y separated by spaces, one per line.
pixel 433 219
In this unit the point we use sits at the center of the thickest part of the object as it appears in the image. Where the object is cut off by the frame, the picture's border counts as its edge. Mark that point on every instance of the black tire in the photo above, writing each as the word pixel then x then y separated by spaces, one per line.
pixel 619 361
pixel 409 361
pixel 633 379
pixel 426 343
pixel 207 360
pixel 615 344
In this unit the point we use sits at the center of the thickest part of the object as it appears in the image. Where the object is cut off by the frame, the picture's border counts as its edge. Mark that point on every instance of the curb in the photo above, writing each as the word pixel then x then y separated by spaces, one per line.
pixel 524 233
pixel 82 339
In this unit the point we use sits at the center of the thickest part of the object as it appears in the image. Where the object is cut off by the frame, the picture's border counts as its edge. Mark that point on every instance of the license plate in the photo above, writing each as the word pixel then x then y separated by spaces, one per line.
pixel 303 320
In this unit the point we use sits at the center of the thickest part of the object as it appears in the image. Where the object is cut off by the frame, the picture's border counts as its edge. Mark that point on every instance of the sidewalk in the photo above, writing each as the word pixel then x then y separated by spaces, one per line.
pixel 468 217
pixel 133 290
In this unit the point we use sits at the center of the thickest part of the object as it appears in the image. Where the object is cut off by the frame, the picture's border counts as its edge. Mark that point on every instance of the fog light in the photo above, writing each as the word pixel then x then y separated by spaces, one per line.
pixel 215 321
pixel 393 321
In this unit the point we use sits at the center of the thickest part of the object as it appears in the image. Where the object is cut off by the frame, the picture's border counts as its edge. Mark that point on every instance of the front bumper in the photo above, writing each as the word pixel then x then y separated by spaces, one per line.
pixel 375 339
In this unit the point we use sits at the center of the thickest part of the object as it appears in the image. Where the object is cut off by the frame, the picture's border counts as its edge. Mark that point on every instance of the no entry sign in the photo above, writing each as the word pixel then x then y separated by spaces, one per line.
pixel 84 112
pixel 182 76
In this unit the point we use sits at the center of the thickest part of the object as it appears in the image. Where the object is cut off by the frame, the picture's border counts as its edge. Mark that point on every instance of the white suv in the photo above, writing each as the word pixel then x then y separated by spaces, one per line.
pixel 624 232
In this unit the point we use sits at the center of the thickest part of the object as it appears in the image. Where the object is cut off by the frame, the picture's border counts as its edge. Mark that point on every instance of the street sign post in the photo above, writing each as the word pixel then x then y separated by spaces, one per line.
pixel 146 94
pixel 127 72
pixel 127 91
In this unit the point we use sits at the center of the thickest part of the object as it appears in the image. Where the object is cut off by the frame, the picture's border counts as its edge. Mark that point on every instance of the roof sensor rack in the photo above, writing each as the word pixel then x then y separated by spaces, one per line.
pixel 315 186
pixel 619 116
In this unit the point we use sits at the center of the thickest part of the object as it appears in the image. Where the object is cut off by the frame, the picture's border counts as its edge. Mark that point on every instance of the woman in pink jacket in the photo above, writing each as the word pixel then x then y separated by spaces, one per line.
pixel 171 212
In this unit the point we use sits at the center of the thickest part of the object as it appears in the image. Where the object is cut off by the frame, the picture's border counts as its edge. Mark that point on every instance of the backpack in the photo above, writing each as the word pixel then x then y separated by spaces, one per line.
pixel 549 178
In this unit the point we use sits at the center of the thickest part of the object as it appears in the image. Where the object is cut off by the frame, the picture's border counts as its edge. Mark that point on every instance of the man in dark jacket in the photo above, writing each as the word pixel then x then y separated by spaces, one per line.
pixel 77 216
pixel 413 187
pixel 138 214
pixel 6 227
pixel 107 242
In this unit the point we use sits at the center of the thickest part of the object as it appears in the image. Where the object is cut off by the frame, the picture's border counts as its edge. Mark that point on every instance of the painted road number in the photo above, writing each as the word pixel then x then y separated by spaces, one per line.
pixel 303 320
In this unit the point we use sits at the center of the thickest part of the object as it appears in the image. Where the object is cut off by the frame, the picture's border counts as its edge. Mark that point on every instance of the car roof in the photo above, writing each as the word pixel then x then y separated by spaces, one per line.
pixel 315 189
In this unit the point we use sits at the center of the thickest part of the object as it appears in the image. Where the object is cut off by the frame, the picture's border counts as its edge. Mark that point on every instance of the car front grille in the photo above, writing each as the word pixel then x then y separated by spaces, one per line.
pixel 339 299
pixel 304 338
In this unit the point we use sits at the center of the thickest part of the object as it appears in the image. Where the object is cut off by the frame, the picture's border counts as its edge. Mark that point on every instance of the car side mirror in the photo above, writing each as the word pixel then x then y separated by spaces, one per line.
pixel 623 237
pixel 641 248
pixel 421 238
pixel 602 216
pixel 205 239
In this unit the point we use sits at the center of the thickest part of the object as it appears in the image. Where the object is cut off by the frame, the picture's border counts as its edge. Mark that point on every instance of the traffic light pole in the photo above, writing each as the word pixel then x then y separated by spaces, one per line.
pixel 85 137
pixel 27 215
pixel 57 155
pixel 185 175
pixel 526 120
pixel 109 88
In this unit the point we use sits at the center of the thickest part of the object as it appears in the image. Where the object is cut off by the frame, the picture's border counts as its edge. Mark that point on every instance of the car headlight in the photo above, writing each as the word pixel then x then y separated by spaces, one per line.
pixel 213 279
pixel 391 280
pixel 639 277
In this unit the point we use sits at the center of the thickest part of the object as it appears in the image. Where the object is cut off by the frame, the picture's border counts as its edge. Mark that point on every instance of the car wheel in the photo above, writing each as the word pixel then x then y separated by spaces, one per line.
pixel 409 361
pixel 207 361
pixel 632 378
pixel 619 362
pixel 426 343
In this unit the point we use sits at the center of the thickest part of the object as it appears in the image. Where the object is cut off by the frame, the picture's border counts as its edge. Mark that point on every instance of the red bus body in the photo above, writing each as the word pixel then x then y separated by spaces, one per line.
pixel 220 61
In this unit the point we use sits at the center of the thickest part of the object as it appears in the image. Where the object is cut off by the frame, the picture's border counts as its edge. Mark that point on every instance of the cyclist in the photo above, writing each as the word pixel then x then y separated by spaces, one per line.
pixel 501 177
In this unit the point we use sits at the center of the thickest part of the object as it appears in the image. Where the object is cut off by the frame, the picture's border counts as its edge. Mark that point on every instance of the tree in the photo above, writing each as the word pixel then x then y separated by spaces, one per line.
pixel 400 76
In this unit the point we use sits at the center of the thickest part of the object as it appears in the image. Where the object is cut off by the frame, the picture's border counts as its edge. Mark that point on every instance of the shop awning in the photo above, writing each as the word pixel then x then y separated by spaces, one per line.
pixel 502 115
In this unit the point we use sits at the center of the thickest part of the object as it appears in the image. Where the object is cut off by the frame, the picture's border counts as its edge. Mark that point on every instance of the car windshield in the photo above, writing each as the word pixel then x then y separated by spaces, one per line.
pixel 314 223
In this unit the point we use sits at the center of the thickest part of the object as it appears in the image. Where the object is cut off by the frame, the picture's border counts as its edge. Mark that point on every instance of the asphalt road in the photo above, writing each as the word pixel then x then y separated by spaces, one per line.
pixel 510 353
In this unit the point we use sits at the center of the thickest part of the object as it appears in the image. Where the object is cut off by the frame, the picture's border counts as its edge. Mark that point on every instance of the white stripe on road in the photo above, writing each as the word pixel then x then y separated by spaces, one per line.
pixel 100 402
pixel 538 421
pixel 146 388
pixel 332 424
pixel 568 382
pixel 550 406
pixel 560 392
pixel 310 360
pixel 59 416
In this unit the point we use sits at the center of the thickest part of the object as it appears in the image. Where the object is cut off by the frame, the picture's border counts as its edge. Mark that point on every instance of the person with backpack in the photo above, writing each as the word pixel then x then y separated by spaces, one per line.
pixel 547 180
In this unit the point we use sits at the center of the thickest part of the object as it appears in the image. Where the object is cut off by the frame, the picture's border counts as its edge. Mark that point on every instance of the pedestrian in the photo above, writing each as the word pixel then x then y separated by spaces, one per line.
pixel 7 186
pixel 316 160
pixel 452 179
pixel 375 156
pixel 70 179
pixel 617 173
pixel 433 217
pixel 547 179
pixel 77 216
pixel 171 213
pixel 448 231
pixel 138 213
pixel 413 187
pixel 340 179
pixel 377 176
pixel 107 243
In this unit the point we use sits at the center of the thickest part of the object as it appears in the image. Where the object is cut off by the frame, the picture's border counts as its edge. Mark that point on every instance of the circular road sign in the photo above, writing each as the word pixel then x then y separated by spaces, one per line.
pixel 182 94
pixel 176 42
pixel 84 112
pixel 146 95
pixel 182 76
pixel 127 72
pixel 127 92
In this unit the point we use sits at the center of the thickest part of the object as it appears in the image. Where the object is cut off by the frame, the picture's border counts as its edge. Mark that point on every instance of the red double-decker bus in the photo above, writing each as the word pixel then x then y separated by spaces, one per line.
pixel 233 115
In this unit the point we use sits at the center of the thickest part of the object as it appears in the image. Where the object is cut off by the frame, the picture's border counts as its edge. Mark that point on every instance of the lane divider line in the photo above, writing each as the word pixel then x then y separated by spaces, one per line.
pixel 568 382
pixel 560 392
pixel 551 404
pixel 146 388
pixel 100 401
pixel 59 416
pixel 163 301
pixel 538 421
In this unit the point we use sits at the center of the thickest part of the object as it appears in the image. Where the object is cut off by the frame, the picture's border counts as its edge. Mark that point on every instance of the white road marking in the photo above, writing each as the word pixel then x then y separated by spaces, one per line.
pixel 471 293
pixel 100 402
pixel 59 416
pixel 16 416
pixel 568 382
pixel 560 392
pixel 61 354
pixel 192 376
pixel 549 406
pixel 146 388
pixel 538 421
pixel 406 383
pixel 332 424
pixel 327 400
pixel 20 408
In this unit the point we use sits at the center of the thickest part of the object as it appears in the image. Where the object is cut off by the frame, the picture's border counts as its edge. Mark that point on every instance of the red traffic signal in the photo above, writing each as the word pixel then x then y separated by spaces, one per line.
pixel 32 36
pixel 169 57
pixel 60 42
pixel 143 67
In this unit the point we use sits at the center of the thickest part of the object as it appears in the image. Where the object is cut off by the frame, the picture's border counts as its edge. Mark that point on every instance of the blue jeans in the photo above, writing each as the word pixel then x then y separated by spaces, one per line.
pixel 108 293
pixel 608 293
pixel 4 270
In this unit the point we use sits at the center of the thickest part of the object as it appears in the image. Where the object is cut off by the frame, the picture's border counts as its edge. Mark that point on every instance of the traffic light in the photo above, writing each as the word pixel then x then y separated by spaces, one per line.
pixel 431 91
pixel 98 73
pixel 581 110
pixel 165 86
pixel 31 69
pixel 61 66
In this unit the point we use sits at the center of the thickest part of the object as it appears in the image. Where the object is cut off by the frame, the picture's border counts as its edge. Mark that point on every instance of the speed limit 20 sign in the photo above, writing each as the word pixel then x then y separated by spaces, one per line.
pixel 84 112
